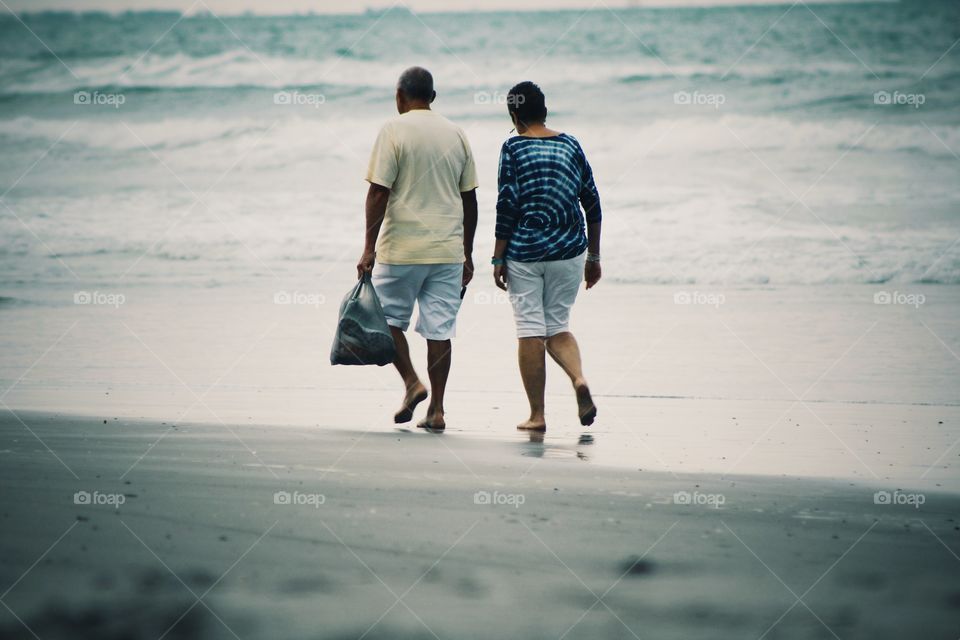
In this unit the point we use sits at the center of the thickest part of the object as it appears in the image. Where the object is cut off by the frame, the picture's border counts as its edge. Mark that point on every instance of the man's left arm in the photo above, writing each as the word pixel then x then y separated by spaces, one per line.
pixel 468 194
pixel 469 199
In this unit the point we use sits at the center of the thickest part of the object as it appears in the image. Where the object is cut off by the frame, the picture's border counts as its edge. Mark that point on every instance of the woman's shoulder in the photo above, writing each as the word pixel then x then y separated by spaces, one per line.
pixel 518 140
pixel 570 138
pixel 514 140
pixel 575 147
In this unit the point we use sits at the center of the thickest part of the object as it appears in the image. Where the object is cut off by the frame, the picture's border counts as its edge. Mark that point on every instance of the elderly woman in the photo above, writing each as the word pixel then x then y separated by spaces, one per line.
pixel 545 245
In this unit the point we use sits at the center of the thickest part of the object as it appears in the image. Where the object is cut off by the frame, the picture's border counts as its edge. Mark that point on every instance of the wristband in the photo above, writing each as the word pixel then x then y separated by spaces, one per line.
pixel 593 257
pixel 497 262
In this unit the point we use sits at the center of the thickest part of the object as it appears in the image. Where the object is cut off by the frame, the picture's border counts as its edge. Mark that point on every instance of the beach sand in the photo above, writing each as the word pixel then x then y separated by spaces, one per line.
pixel 782 464
pixel 383 534
pixel 795 381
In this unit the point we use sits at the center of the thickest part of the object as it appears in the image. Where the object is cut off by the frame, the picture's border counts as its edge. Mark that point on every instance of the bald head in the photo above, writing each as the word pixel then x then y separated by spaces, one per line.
pixel 416 85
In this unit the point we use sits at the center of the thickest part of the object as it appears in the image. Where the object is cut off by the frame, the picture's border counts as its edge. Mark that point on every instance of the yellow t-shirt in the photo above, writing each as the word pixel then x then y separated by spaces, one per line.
pixel 426 162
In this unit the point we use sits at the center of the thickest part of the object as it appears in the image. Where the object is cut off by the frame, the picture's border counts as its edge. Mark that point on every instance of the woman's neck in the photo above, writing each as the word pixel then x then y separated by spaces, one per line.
pixel 538 130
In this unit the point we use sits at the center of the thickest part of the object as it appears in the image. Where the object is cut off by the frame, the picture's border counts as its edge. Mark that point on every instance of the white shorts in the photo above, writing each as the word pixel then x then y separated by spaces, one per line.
pixel 542 294
pixel 435 288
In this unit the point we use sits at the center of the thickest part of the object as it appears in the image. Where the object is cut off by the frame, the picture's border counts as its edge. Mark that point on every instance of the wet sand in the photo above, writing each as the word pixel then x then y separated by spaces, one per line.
pixel 801 381
pixel 383 534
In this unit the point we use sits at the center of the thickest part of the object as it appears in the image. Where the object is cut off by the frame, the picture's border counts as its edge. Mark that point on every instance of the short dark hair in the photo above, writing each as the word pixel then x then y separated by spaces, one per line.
pixel 526 100
pixel 416 83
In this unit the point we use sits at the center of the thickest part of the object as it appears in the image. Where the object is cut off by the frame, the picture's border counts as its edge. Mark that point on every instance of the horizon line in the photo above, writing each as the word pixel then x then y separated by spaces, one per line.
pixel 627 5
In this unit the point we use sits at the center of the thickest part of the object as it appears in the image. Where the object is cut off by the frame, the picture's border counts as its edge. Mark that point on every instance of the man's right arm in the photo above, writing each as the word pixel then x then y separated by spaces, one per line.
pixel 376 208
pixel 381 173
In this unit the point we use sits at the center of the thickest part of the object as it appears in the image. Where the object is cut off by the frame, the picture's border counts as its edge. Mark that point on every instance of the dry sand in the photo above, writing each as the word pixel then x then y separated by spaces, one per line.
pixel 390 540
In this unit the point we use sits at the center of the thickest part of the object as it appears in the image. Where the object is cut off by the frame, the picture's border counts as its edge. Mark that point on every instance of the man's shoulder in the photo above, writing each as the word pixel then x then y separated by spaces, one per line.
pixel 443 122
pixel 391 124
pixel 416 121
pixel 431 128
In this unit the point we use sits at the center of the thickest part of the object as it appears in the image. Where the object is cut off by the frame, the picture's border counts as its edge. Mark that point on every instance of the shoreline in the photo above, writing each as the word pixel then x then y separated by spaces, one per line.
pixel 713 460
pixel 799 381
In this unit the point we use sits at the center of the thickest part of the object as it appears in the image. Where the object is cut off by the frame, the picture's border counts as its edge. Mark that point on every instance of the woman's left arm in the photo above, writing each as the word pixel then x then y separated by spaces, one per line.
pixel 508 212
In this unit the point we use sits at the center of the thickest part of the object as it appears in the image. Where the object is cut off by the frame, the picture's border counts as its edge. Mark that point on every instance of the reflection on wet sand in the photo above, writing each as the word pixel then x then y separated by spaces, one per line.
pixel 585 440
pixel 537 446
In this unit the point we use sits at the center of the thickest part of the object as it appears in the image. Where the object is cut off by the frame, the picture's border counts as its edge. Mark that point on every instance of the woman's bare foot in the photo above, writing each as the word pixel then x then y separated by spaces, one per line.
pixel 433 422
pixel 585 406
pixel 533 424
pixel 414 396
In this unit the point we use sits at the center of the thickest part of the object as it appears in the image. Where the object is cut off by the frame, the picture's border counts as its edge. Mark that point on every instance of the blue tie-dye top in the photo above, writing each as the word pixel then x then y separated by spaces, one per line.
pixel 542 183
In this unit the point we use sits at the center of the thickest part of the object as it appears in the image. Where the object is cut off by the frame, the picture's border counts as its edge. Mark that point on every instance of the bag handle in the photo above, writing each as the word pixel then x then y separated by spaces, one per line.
pixel 364 279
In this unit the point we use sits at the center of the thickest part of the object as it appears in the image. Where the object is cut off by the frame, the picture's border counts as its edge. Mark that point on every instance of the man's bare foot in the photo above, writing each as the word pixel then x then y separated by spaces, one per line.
pixel 585 406
pixel 433 422
pixel 414 396
pixel 533 425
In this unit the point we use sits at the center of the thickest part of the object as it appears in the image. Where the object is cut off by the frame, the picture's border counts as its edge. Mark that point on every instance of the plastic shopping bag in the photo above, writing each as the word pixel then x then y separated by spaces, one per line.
pixel 363 336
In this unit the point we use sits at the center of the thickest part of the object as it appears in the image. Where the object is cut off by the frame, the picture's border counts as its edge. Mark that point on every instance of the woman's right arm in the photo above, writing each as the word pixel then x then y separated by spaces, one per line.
pixel 591 270
pixel 590 199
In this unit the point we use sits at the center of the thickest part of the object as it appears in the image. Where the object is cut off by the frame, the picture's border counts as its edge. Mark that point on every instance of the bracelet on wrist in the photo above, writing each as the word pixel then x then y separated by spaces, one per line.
pixel 497 261
pixel 593 257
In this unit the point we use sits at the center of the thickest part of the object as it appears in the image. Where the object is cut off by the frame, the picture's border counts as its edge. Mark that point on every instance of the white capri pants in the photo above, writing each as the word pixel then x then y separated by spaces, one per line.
pixel 542 294
pixel 434 287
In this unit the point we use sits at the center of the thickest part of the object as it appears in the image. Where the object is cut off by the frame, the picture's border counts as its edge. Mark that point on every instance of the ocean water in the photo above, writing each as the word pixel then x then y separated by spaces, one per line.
pixel 737 146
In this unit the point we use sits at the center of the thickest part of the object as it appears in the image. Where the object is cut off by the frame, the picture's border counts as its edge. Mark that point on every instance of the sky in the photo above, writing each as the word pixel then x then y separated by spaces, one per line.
pixel 227 7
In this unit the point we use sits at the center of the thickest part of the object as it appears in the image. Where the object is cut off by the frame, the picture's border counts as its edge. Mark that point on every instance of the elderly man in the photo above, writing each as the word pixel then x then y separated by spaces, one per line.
pixel 422 196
